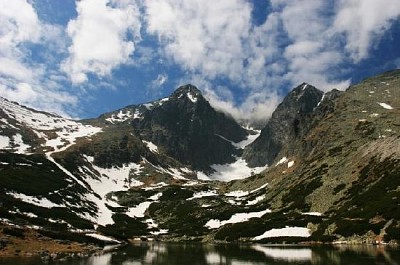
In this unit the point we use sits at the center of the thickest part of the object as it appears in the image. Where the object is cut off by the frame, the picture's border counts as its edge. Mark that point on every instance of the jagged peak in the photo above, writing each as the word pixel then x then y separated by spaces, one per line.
pixel 189 91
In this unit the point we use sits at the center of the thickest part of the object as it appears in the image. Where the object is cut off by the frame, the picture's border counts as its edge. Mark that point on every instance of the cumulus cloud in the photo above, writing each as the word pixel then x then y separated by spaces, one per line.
pixel 19 23
pixel 202 36
pixel 99 37
pixel 218 40
pixel 300 41
pixel 362 22
pixel 22 79
pixel 311 52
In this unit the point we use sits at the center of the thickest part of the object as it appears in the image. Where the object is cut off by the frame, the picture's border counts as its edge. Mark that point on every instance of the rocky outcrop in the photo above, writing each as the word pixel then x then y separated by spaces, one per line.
pixel 287 124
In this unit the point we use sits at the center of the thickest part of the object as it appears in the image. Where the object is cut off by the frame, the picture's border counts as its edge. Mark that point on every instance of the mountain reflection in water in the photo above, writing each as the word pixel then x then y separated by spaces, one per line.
pixel 231 254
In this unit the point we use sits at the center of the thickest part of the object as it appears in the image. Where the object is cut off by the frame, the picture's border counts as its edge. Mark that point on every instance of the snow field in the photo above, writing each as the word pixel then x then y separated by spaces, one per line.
pixel 236 218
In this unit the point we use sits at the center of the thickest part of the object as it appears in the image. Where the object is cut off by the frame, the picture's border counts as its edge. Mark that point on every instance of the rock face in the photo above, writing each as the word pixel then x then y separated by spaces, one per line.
pixel 188 129
pixel 287 124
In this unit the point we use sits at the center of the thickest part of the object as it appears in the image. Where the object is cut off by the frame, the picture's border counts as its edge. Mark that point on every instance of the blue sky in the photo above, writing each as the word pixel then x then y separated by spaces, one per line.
pixel 86 57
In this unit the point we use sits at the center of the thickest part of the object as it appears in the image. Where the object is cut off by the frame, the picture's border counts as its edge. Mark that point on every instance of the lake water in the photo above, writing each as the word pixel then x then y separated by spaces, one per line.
pixel 192 254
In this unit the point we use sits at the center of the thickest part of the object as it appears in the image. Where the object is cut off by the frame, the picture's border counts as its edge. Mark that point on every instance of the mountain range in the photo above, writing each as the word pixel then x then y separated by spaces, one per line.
pixel 324 168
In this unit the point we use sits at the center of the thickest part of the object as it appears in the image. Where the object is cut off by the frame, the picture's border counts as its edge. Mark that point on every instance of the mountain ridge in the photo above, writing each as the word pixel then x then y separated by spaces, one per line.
pixel 124 174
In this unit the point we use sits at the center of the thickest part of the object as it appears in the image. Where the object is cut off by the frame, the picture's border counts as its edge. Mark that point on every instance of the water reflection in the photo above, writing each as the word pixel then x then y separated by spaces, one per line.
pixel 159 253
pixel 288 254
pixel 230 254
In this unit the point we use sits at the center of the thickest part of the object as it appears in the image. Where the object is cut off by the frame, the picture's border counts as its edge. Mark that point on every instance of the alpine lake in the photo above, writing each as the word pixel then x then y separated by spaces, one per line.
pixel 230 254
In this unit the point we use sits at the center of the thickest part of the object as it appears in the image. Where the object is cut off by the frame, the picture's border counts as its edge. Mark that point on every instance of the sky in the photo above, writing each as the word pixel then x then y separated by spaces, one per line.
pixel 86 57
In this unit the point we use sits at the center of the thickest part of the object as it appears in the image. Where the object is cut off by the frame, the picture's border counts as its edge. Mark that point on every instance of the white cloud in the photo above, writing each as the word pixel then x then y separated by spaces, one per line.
pixel 312 52
pixel 214 40
pixel 22 79
pixel 363 22
pixel 218 39
pixel 160 80
pixel 257 107
pixel 99 36
pixel 202 36
pixel 300 41
pixel 18 24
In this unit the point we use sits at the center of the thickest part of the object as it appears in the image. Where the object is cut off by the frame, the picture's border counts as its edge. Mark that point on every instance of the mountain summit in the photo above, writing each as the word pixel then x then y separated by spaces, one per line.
pixel 188 129
pixel 285 126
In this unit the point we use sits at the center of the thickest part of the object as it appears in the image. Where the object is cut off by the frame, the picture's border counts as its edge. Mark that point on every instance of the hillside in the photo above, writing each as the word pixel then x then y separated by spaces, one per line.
pixel 161 169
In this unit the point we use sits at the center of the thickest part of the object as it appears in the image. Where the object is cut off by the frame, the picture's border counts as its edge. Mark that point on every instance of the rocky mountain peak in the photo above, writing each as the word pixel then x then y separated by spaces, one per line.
pixel 286 124
pixel 187 92
pixel 303 98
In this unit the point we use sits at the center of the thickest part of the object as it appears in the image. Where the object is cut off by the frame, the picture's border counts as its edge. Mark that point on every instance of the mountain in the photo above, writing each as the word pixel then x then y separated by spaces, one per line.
pixel 288 123
pixel 333 169
pixel 188 129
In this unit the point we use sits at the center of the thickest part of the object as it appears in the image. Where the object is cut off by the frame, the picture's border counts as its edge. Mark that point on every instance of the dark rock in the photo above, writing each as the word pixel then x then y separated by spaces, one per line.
pixel 286 125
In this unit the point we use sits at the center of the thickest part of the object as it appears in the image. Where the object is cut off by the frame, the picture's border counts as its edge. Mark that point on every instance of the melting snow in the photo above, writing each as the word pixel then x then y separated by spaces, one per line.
pixel 202 194
pixel 148 105
pixel 240 193
pixel 290 164
pixel 42 202
pixel 313 213
pixel 250 138
pixel 385 106
pixel 111 180
pixel 121 116
pixel 21 146
pixel 4 142
pixel 237 170
pixel 191 97
pixel 285 232
pixel 156 186
pixel 152 147
pixel 236 218
pixel 67 130
pixel 140 209
pixel 237 193
pixel 256 200
pixel 283 160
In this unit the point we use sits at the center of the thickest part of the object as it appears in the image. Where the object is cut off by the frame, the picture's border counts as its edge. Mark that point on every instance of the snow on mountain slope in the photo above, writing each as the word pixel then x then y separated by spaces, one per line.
pixel 239 169
pixel 58 133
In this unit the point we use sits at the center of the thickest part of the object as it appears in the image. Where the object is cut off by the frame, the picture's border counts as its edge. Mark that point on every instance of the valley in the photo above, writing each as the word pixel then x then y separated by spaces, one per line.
pixel 325 168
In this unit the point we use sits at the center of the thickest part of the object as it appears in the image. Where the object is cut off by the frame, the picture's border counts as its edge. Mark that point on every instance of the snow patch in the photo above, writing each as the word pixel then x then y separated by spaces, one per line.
pixel 4 142
pixel 121 116
pixel 250 138
pixel 313 213
pixel 42 202
pixel 109 180
pixel 256 200
pixel 285 232
pixel 385 106
pixel 201 194
pixel 236 218
pixel 152 147
pixel 236 170
pixel 283 160
pixel 140 209
pixel 290 164
pixel 192 98
pixel 20 145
